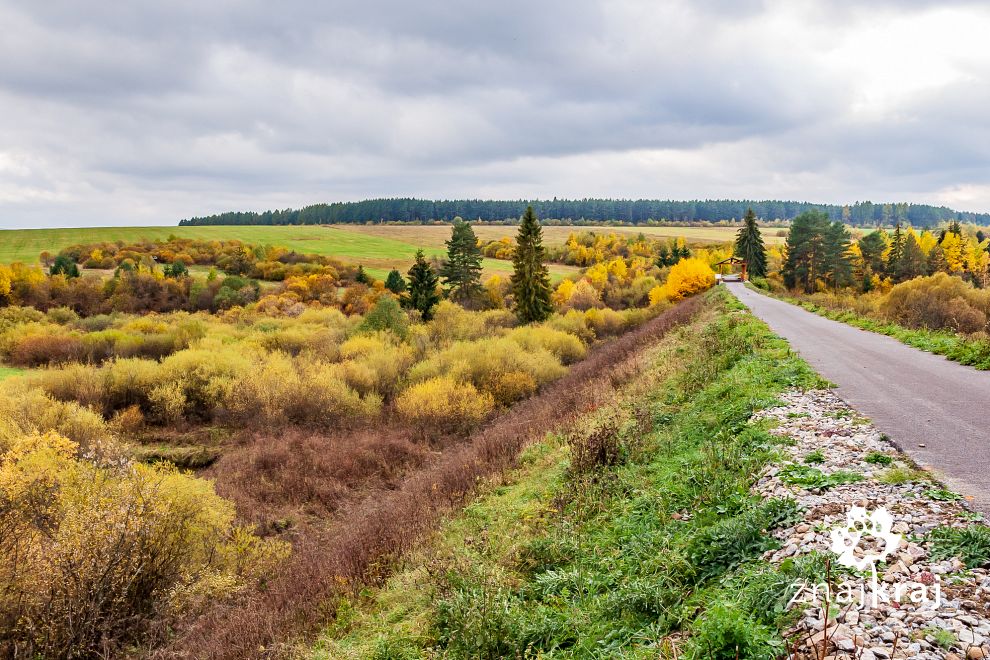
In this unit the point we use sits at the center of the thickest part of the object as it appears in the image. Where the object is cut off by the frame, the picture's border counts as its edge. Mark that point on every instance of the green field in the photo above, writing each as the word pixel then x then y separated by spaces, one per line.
pixel 378 248
pixel 377 251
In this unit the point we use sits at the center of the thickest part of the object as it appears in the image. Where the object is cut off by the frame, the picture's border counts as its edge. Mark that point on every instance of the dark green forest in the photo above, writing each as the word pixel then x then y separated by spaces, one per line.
pixel 590 211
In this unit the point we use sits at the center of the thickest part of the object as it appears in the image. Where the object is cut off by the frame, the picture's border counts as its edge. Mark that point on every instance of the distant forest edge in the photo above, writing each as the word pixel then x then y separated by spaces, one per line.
pixel 589 211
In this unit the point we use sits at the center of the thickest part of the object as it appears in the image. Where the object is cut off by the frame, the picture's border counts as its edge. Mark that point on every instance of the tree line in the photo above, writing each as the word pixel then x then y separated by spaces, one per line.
pixel 577 211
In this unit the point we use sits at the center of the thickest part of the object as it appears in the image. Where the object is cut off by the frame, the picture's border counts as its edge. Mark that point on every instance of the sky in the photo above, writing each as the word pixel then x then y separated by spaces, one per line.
pixel 139 113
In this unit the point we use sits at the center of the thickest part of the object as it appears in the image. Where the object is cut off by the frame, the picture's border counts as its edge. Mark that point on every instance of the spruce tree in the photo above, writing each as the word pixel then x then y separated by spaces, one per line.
pixel 838 269
pixel 462 272
pixel 896 250
pixel 361 277
pixel 912 261
pixel 749 246
pixel 395 282
pixel 530 276
pixel 423 282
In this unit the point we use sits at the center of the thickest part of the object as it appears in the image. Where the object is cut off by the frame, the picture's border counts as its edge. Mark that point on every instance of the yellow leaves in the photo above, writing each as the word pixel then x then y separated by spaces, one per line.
pixel 563 293
pixel 658 295
pixel 597 275
pixel 952 248
pixel 443 404
pixel 6 276
pixel 617 268
pixel 687 277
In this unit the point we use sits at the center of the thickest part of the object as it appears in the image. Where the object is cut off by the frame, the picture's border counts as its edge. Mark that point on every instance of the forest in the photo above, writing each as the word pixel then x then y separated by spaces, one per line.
pixel 590 211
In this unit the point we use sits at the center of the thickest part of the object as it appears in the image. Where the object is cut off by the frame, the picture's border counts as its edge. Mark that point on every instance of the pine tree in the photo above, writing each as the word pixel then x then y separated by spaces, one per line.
pixel 530 276
pixel 749 246
pixel 361 277
pixel 423 283
pixel 64 265
pixel 912 261
pixel 395 282
pixel 462 272
pixel 896 250
pixel 805 261
pixel 838 269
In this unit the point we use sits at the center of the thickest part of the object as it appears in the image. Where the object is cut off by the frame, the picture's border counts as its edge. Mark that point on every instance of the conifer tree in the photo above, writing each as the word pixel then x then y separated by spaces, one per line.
pixel 462 272
pixel 423 283
pixel 361 277
pixel 912 261
pixel 395 282
pixel 530 276
pixel 896 250
pixel 749 246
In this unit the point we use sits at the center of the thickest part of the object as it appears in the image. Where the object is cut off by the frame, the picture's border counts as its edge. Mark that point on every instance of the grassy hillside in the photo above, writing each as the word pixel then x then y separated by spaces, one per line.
pixel 392 247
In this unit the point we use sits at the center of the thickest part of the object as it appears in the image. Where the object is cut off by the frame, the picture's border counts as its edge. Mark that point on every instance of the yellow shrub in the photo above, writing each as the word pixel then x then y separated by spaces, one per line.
pixel 481 363
pixel 687 277
pixel 93 553
pixel 566 347
pixel 265 393
pixel 444 405
pixel 326 399
pixel 25 410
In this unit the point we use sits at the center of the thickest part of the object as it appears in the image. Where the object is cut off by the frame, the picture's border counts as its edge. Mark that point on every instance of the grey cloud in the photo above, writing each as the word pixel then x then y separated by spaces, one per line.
pixel 185 106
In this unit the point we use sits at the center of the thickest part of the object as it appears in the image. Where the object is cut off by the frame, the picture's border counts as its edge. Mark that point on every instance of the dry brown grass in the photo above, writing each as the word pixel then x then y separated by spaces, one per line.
pixel 361 544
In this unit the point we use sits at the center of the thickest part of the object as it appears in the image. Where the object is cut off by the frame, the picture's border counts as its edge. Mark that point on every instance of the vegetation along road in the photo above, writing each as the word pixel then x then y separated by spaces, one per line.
pixel 933 408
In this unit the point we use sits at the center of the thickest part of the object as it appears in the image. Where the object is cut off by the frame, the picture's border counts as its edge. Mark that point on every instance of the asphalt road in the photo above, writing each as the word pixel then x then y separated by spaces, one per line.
pixel 935 410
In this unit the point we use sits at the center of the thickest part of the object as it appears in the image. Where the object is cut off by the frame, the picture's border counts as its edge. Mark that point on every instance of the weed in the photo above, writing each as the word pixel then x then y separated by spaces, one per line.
pixel 940 637
pixel 815 457
pixel 879 458
pixel 809 477
pixel 970 544
pixel 942 495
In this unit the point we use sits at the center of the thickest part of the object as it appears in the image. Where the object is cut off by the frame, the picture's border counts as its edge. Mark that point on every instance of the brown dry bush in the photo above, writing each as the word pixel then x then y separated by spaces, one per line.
pixel 938 302
pixel 358 547
pixel 597 445
pixel 44 349
pixel 274 478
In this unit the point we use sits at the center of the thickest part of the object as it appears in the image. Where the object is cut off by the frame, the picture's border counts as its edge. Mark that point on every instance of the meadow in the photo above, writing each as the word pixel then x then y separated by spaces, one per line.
pixel 379 248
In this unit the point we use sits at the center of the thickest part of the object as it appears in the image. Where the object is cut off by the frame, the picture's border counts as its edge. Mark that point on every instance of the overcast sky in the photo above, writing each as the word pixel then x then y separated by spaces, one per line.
pixel 144 112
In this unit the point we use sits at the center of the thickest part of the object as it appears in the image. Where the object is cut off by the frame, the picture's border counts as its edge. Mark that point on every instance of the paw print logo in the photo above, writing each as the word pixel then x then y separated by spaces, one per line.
pixel 859 525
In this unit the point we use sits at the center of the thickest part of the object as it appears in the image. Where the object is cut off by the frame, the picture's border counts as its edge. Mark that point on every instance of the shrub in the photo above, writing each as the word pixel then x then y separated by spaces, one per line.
pixel 443 405
pixel 687 277
pixel 30 410
pixel 484 362
pixel 96 553
pixel 566 347
pixel 386 315
pixel 44 349
pixel 937 302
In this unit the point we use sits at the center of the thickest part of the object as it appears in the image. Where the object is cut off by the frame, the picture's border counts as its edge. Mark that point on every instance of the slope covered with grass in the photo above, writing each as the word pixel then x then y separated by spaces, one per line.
pixel 634 535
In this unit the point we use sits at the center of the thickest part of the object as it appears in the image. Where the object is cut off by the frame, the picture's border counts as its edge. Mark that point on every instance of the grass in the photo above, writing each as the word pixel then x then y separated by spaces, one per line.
pixel 7 372
pixel 609 560
pixel 879 458
pixel 378 252
pixel 809 477
pixel 958 348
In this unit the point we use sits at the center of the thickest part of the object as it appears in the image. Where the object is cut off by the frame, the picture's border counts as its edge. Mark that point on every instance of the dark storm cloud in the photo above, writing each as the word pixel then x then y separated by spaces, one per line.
pixel 150 111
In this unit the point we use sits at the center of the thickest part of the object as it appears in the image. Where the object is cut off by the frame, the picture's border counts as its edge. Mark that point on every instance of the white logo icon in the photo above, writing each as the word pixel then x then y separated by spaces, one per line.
pixel 846 539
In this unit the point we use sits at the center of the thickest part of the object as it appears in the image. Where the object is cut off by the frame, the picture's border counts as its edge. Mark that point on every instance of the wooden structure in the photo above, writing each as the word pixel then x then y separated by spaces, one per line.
pixel 731 262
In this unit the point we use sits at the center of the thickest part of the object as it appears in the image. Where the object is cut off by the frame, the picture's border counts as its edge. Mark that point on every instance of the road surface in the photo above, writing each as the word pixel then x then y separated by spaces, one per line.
pixel 935 410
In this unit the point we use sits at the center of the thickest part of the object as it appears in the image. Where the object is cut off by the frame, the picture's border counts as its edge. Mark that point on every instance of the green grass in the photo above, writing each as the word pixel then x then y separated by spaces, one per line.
pixel 958 348
pixel 378 253
pixel 7 372
pixel 970 544
pixel 608 562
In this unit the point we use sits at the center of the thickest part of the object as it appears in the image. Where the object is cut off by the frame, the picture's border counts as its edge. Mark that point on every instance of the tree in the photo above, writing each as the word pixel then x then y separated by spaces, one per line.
pixel 64 265
pixel 896 250
pixel 530 276
pixel 871 247
pixel 175 270
pixel 805 261
pixel 462 272
pixel 912 261
pixel 395 282
pixel 837 268
pixel 362 277
pixel 423 281
pixel 749 246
